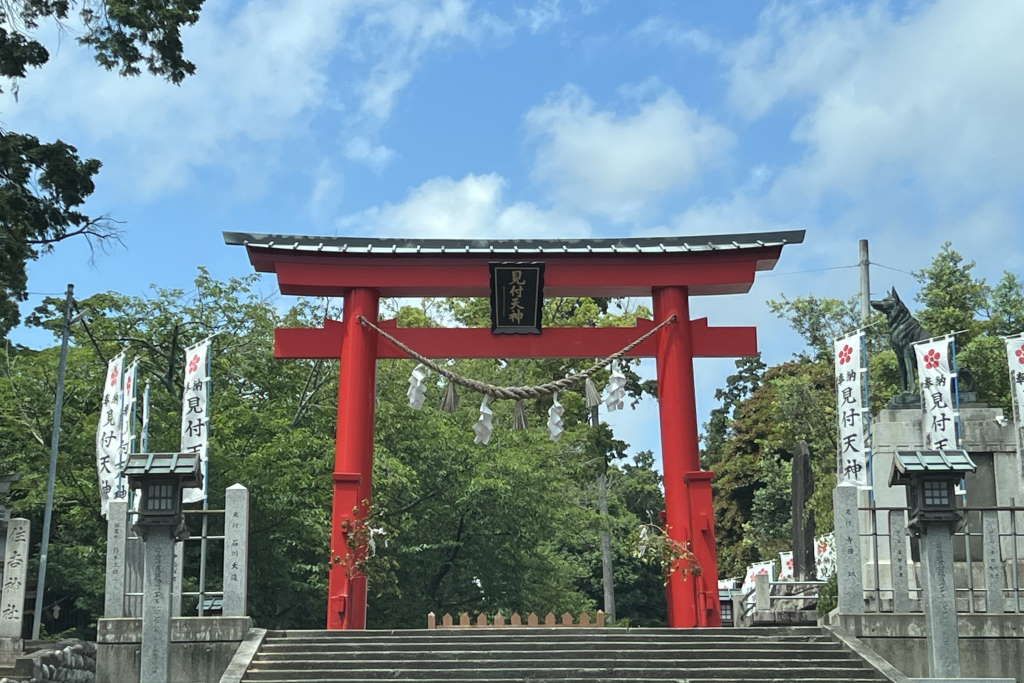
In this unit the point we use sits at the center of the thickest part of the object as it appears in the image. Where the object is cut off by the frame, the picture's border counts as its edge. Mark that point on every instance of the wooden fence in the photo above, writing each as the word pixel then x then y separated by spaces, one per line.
pixel 514 620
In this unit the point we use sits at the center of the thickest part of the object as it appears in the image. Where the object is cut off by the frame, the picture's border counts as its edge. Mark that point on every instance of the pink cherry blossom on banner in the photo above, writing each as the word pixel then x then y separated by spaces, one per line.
pixel 931 359
pixel 1020 354
pixel 193 364
pixel 113 376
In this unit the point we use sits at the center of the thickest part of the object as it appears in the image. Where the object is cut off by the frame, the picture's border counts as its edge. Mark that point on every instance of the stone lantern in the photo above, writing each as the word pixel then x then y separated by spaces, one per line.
pixel 931 478
pixel 161 477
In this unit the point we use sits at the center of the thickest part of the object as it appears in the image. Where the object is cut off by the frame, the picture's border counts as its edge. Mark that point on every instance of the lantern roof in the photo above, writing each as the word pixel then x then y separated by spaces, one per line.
pixel 185 465
pixel 516 247
pixel 951 462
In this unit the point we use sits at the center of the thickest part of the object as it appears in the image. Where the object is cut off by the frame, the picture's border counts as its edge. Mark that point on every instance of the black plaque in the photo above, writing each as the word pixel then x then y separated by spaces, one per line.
pixel 517 297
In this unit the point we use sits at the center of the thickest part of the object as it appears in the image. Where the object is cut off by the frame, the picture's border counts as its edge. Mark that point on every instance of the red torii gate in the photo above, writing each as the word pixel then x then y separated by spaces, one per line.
pixel 668 269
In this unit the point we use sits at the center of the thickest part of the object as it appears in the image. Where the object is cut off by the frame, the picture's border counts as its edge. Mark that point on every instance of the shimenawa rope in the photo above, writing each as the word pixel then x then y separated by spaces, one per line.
pixel 535 391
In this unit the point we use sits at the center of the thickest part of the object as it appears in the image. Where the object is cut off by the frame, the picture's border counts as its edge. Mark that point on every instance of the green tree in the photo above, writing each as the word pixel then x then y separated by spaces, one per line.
pixel 1006 308
pixel 952 297
pixel 512 525
pixel 44 185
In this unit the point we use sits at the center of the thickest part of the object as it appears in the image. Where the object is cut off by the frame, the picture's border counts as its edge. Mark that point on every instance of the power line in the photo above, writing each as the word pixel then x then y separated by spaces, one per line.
pixel 882 265
pixel 810 270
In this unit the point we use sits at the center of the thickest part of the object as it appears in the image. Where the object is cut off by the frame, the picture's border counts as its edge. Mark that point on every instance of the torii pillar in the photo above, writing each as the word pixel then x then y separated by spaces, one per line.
pixel 669 269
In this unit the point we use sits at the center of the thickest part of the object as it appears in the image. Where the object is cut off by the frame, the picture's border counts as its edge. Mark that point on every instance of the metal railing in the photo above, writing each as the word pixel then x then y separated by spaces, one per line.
pixel 189 565
pixel 988 567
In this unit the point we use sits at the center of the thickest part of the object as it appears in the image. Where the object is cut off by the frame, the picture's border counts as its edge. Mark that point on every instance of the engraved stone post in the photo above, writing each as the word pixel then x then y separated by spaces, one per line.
pixel 803 519
pixel 156 604
pixel 994 603
pixel 848 552
pixel 177 577
pixel 762 593
pixel 117 542
pixel 236 550
pixel 12 598
pixel 901 602
pixel 939 612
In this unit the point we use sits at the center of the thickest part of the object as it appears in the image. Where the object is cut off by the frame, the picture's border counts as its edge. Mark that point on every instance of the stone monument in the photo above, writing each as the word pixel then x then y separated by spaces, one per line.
pixel 12 596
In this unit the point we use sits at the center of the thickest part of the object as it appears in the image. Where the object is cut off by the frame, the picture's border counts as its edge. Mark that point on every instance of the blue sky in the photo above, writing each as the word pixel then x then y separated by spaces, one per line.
pixel 893 121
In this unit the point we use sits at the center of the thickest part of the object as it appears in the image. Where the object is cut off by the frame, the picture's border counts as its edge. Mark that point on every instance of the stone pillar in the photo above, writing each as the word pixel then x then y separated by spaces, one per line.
pixel 117 543
pixel 12 598
pixel 156 604
pixel 901 602
pixel 236 550
pixel 940 610
pixel 803 518
pixel 994 602
pixel 849 570
pixel 177 578
pixel 762 593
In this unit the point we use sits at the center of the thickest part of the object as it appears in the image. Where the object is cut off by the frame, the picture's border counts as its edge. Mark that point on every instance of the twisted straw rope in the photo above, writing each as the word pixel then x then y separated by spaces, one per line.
pixel 536 391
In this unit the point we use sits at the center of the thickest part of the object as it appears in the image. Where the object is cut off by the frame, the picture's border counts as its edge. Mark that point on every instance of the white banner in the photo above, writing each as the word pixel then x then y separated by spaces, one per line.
pixel 754 570
pixel 825 556
pixel 786 564
pixel 195 415
pixel 128 393
pixel 108 434
pixel 936 374
pixel 1015 355
pixel 852 410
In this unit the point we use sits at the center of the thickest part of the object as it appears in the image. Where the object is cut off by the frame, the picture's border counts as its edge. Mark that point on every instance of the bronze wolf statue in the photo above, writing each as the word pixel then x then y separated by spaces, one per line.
pixel 904 330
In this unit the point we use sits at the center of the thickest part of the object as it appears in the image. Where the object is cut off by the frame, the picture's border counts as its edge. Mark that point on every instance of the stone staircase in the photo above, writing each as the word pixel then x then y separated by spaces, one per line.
pixel 710 655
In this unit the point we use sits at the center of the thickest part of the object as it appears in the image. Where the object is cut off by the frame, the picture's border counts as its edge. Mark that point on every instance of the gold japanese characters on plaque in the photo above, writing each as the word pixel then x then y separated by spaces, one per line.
pixel 517 297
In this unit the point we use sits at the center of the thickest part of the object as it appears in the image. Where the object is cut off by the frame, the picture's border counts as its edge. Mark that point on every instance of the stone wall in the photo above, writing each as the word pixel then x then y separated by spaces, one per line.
pixel 991 646
pixel 201 648
pixel 69 661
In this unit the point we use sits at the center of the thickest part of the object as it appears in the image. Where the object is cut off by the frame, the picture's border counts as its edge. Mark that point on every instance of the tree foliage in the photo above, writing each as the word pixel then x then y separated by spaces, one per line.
pixel 511 526
pixel 44 185
pixel 764 411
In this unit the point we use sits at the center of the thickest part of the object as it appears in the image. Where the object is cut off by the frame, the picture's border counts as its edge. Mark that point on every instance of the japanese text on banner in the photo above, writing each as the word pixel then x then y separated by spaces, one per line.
pixel 1015 356
pixel 936 375
pixel 854 431
pixel 195 417
pixel 108 433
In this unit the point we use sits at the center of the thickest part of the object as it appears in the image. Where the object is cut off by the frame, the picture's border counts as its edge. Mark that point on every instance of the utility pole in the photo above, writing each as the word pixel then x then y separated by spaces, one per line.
pixel 865 284
pixel 607 573
pixel 58 410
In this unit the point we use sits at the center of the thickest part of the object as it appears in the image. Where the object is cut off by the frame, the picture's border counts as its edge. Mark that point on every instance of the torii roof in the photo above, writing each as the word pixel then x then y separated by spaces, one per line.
pixel 614 245
pixel 624 266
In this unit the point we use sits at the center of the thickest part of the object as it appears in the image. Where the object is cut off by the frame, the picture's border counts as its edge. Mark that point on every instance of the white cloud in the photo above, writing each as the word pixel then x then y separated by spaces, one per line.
pixel 470 207
pixel 928 101
pixel 260 70
pixel 541 16
pixel 362 150
pixel 396 35
pixel 616 164
pixel 264 70
pixel 658 30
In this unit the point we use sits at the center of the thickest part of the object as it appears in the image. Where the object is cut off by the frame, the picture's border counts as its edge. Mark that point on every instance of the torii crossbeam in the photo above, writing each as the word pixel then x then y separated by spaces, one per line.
pixel 668 269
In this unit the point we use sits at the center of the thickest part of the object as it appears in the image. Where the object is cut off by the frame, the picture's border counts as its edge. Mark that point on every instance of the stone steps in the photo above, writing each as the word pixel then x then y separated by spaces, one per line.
pixel 557 654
